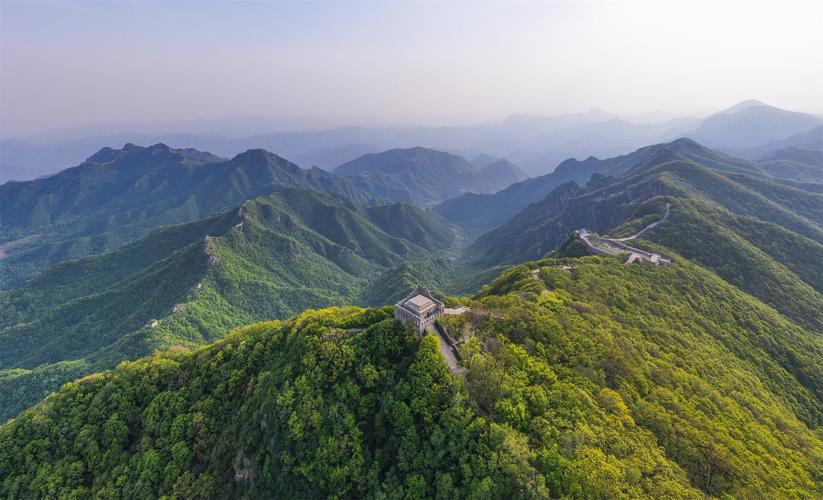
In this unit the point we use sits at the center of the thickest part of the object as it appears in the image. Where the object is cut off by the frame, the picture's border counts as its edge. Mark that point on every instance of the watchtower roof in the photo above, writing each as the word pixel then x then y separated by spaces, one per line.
pixel 416 300
pixel 420 302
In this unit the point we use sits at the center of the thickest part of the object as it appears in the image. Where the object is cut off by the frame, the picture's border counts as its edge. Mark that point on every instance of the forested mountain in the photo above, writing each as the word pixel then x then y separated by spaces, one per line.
pixel 184 285
pixel 480 213
pixel 117 196
pixel 601 381
pixel 761 234
pixel 394 250
pixel 431 176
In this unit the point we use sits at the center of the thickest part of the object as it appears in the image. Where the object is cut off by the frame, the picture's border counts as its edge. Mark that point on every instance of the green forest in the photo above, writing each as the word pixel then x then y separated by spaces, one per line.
pixel 600 381
pixel 189 284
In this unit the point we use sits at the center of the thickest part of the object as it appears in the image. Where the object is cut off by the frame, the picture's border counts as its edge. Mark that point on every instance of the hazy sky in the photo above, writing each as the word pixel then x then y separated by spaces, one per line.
pixel 71 63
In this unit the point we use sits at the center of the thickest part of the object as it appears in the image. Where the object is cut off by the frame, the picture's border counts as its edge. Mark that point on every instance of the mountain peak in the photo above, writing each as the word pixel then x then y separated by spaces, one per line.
pixel 483 160
pixel 256 155
pixel 389 162
pixel 743 105
pixel 684 143
pixel 503 172
pixel 598 112
pixel 107 154
pixel 751 124
pixel 263 160
pixel 159 148
pixel 665 155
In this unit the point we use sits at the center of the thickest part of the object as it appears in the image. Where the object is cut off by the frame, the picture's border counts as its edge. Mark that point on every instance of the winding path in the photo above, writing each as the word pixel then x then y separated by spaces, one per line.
pixel 650 226
pixel 616 246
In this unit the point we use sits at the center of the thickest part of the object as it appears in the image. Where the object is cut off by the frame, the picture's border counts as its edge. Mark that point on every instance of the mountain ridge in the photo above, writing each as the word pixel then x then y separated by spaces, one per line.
pixel 131 191
pixel 478 214
pixel 748 214
pixel 536 143
pixel 183 285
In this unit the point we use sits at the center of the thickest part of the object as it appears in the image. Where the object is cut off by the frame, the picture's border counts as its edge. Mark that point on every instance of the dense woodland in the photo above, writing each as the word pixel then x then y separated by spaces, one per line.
pixel 189 284
pixel 341 402
pixel 601 381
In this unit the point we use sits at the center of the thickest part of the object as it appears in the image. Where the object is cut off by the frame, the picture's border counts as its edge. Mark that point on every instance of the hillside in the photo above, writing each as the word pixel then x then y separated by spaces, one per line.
pixel 431 176
pixel 603 381
pixel 735 184
pixel 775 264
pixel 805 165
pixel 761 235
pixel 477 213
pixel 186 285
pixel 812 157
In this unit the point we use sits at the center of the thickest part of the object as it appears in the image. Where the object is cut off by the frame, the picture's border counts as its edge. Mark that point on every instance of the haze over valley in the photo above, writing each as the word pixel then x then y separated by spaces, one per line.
pixel 536 144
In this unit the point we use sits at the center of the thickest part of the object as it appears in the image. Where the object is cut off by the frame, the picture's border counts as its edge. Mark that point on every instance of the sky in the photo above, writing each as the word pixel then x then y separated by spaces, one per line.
pixel 64 64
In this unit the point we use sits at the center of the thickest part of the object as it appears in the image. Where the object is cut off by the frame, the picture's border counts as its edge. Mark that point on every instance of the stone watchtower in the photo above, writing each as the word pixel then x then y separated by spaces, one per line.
pixel 419 308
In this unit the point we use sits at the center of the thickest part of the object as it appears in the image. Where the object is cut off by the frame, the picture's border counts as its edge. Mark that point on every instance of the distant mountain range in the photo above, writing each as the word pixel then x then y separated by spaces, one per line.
pixel 810 140
pixel 536 144
pixel 751 124
pixel 117 196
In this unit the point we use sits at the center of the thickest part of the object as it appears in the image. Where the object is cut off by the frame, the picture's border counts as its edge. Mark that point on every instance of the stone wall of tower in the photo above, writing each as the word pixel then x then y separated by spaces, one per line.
pixel 401 313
